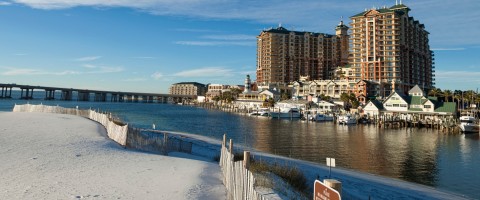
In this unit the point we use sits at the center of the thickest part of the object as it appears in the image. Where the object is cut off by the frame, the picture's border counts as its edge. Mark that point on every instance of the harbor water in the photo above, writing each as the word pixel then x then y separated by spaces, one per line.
pixel 429 157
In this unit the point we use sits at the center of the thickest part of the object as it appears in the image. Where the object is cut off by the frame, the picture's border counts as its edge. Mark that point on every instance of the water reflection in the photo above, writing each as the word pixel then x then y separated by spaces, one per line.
pixel 400 153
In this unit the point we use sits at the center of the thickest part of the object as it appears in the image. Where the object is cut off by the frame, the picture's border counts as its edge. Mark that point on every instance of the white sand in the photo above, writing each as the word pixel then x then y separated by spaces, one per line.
pixel 53 156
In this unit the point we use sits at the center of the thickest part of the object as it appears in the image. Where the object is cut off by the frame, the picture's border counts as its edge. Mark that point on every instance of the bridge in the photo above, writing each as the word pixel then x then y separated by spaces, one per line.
pixel 72 94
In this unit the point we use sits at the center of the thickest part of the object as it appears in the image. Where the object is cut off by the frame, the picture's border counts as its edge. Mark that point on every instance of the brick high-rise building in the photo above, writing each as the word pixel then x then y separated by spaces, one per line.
pixel 390 47
pixel 283 55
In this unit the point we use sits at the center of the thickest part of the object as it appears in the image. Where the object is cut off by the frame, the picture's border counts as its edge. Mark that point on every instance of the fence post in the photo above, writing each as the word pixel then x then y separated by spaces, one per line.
pixel 230 148
pixel 224 140
pixel 246 159
pixel 165 143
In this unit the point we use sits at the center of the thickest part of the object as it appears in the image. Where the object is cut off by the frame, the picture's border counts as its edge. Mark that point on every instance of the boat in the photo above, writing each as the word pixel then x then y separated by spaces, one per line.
pixel 468 125
pixel 319 117
pixel 347 119
pixel 265 112
pixel 286 113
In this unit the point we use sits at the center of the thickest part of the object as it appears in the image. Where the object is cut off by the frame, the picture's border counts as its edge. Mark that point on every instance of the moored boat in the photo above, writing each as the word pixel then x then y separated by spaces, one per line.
pixel 468 125
pixel 286 113
pixel 347 119
pixel 319 117
pixel 265 112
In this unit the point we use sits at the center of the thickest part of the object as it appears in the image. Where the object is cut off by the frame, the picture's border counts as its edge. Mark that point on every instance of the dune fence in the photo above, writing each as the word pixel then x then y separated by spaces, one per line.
pixel 115 130
pixel 238 179
pixel 152 141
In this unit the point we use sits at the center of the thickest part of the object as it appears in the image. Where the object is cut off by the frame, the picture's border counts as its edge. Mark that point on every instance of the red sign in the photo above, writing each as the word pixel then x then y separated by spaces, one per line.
pixel 323 192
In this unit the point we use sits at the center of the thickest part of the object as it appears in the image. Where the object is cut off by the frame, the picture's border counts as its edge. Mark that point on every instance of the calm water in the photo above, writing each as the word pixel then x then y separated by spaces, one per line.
pixel 449 162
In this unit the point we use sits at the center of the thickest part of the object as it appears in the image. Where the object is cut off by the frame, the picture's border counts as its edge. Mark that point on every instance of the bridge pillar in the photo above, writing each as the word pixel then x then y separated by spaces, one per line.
pixel 83 96
pixel 121 97
pixel 114 97
pixel 49 94
pixel 66 95
pixel 135 98
pixel 28 93
pixel 100 96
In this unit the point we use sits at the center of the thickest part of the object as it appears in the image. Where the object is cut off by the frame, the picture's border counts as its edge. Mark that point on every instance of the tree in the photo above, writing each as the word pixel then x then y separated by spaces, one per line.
pixel 235 92
pixel 216 98
pixel 269 102
pixel 447 94
pixel 436 92
pixel 227 97
pixel 285 96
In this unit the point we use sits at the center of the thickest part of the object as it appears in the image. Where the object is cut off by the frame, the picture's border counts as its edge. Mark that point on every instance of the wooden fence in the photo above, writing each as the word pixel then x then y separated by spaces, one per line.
pixel 116 132
pixel 156 142
pixel 238 180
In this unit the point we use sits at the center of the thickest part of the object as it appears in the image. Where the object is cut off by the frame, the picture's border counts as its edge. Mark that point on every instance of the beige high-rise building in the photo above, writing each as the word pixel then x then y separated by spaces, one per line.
pixel 283 55
pixel 391 48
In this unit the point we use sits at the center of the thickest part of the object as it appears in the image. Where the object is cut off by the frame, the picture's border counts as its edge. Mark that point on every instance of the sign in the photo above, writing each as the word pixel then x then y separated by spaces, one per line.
pixel 323 192
pixel 331 162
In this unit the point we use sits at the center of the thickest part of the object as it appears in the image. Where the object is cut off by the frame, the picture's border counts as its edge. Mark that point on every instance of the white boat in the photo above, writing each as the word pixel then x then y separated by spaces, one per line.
pixel 265 112
pixel 347 119
pixel 468 125
pixel 286 113
pixel 319 117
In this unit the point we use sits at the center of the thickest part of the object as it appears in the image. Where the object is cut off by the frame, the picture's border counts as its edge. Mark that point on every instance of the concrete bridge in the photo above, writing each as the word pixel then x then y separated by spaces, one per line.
pixel 72 94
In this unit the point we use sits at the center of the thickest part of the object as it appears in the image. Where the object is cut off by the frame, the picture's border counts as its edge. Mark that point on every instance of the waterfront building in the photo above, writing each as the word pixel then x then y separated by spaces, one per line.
pixel 387 44
pixel 214 90
pixel 255 99
pixel 188 88
pixel 415 103
pixel 315 88
pixel 284 55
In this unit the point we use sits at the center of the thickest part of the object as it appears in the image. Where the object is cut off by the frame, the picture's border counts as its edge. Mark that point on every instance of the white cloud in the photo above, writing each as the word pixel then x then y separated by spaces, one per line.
pixel 90 66
pixel 106 69
pixel 11 71
pixel 20 54
pixel 157 75
pixel 205 72
pixel 88 58
pixel 4 3
pixel 16 72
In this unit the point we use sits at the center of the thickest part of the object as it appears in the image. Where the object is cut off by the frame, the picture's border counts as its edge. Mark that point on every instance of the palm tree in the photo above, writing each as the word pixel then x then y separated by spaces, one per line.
pixel 447 94
pixel 436 92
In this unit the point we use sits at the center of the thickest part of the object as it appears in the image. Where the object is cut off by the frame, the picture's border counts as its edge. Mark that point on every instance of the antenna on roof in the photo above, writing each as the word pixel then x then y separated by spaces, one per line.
pixel 396 2
pixel 400 1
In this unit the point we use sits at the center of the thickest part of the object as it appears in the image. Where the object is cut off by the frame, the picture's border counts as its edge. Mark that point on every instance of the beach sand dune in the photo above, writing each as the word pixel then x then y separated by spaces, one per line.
pixel 55 156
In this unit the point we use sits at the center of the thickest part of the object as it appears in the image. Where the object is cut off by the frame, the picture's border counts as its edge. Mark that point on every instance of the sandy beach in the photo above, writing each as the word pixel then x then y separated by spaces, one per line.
pixel 55 156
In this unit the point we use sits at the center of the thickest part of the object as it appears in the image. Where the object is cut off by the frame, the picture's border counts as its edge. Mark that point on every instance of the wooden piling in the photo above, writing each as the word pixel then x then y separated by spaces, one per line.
pixel 246 159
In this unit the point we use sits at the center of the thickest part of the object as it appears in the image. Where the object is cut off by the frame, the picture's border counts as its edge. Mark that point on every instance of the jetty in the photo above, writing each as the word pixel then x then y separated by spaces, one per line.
pixel 74 94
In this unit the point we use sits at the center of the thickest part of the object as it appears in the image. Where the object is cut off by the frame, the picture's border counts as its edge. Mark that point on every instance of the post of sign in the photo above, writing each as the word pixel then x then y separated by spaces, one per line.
pixel 330 163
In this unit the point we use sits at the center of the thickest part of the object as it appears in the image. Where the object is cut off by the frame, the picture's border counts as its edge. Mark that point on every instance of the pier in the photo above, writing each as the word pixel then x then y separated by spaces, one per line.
pixel 72 94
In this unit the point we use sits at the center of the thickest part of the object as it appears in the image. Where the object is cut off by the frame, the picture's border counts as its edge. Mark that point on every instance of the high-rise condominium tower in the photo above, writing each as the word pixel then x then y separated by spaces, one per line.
pixel 283 55
pixel 390 47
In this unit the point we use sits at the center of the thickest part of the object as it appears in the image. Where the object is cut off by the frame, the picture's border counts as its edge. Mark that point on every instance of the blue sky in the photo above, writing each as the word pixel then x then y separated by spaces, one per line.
pixel 146 45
